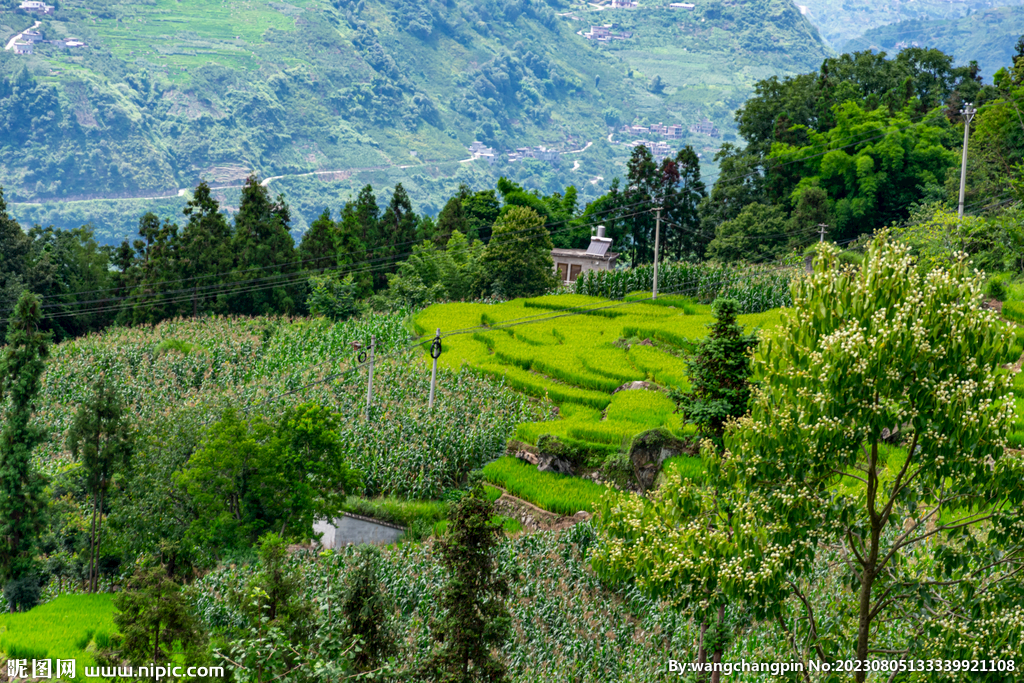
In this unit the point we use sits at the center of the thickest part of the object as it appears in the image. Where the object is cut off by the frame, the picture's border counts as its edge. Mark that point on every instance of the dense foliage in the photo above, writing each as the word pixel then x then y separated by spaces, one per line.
pixel 865 353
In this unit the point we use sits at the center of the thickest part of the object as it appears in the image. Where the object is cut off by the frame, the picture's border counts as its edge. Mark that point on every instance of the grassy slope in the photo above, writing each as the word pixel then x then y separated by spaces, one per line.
pixel 170 92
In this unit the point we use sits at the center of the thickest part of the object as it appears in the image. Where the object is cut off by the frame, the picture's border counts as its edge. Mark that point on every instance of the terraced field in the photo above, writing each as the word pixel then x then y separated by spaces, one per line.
pixel 576 351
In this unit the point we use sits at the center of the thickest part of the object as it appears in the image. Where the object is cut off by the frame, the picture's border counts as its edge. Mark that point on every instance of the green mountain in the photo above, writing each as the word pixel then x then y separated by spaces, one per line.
pixel 842 21
pixel 988 37
pixel 322 97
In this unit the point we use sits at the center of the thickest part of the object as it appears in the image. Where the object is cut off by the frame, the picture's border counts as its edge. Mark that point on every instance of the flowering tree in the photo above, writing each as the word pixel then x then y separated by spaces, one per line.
pixel 929 535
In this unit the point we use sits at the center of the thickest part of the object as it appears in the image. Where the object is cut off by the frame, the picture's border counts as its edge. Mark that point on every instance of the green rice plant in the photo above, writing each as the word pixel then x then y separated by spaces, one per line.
pixel 563 364
pixel 83 641
pixel 558 493
pixel 608 432
pixel 397 510
pixel 646 408
pixel 585 305
pixel 661 367
pixel 611 362
pixel 686 466
pixel 536 385
pixel 663 336
pixel 1014 310
pixel 61 628
pixel 684 303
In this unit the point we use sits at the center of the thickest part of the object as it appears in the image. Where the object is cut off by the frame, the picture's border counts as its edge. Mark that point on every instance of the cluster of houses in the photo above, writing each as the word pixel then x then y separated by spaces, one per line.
pixel 36 7
pixel 479 150
pixel 632 4
pixel 29 39
pixel 704 127
pixel 673 131
pixel 604 34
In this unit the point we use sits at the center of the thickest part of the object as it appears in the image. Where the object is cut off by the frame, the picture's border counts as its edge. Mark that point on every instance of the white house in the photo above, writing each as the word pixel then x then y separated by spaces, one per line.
pixel 570 263
pixel 36 6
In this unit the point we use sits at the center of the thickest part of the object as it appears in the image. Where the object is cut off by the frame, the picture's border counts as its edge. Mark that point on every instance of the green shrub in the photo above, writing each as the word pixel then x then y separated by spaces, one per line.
pixel 558 493
pixel 996 288
pixel 182 347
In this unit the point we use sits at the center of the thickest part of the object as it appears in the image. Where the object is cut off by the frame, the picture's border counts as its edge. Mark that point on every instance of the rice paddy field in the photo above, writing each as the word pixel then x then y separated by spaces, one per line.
pixel 576 351
pixel 68 627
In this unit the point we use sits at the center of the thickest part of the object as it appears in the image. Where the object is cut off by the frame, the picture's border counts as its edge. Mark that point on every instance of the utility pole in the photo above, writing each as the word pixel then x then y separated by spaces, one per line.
pixel 657 240
pixel 369 384
pixel 821 231
pixel 968 113
pixel 435 353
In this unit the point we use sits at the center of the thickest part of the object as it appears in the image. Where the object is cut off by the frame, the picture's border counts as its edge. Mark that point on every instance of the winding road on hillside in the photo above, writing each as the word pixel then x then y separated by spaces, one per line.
pixel 16 38
pixel 183 192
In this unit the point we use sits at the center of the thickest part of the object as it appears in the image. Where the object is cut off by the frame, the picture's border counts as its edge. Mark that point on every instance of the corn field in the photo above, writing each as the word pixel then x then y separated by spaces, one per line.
pixel 565 625
pixel 757 288
pixel 178 377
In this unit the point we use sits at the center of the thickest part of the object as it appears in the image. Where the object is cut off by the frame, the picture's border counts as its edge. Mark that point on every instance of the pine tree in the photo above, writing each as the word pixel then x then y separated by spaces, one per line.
pixel 154 619
pixel 156 266
pixel 452 217
pixel 397 233
pixel 205 253
pixel 352 252
pixel 22 501
pixel 265 251
pixel 101 438
pixel 15 246
pixel 719 372
pixel 318 250
pixel 365 607
pixel 475 618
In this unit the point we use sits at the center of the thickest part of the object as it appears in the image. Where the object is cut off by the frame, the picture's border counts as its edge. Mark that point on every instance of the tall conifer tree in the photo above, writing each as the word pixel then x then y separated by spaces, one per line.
pixel 22 502
pixel 205 252
pixel 264 255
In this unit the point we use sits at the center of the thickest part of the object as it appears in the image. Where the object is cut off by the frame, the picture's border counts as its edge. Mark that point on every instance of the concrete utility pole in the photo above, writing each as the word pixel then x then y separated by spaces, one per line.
pixel 821 231
pixel 657 241
pixel 435 353
pixel 968 113
pixel 369 383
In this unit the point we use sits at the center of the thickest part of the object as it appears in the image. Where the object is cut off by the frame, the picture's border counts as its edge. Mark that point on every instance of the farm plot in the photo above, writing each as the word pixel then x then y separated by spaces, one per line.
pixel 576 351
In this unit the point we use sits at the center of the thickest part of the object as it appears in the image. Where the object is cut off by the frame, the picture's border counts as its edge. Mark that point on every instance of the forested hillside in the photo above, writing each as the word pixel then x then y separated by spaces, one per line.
pixel 165 94
pixel 986 36
pixel 842 21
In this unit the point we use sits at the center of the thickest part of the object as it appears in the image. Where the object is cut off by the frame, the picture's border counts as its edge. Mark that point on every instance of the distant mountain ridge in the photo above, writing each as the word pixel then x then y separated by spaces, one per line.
pixel 988 37
pixel 329 95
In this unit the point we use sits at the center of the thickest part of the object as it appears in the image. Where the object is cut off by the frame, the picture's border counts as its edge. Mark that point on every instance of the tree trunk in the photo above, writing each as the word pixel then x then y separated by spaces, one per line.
pixel 702 654
pixel 92 541
pixel 716 676
pixel 156 643
pixel 869 566
pixel 96 552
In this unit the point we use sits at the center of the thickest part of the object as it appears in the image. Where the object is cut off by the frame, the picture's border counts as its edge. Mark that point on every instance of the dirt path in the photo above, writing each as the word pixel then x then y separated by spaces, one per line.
pixel 12 41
